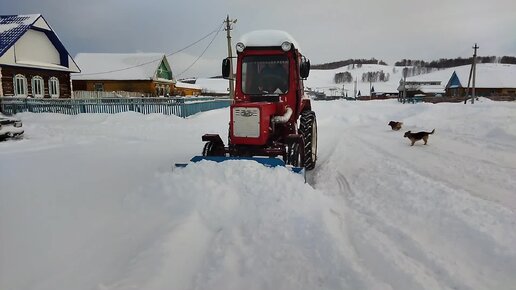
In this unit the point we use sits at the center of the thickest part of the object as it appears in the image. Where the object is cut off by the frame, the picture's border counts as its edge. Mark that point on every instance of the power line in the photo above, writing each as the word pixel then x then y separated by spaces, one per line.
pixel 170 54
pixel 195 61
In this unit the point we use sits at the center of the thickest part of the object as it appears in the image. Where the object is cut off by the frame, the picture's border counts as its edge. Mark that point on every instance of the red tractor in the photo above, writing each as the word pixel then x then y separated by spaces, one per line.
pixel 270 116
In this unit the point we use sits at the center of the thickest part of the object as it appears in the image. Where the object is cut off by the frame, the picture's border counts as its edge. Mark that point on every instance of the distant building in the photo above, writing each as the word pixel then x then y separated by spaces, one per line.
pixel 187 89
pixel 148 74
pixel 33 61
pixel 422 88
pixel 213 86
pixel 492 80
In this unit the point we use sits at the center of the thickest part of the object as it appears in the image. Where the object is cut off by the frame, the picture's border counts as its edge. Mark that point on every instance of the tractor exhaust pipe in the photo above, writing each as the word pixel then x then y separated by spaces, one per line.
pixel 283 119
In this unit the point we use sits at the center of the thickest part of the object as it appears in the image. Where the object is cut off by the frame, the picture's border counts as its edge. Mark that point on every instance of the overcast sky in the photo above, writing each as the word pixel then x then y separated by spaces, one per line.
pixel 327 30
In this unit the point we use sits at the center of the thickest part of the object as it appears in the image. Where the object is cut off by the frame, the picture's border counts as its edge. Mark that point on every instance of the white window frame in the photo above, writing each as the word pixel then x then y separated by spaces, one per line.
pixel 16 86
pixel 34 83
pixel 53 83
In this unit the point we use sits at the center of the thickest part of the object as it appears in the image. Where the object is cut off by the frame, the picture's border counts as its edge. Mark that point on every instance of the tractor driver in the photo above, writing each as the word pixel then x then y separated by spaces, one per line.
pixel 273 79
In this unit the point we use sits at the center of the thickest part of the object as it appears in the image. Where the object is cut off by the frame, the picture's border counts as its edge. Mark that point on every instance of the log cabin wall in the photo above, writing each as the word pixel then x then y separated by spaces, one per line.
pixel 8 73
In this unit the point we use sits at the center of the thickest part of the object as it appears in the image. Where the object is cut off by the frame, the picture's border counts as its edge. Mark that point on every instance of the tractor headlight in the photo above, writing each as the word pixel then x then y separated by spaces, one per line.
pixel 17 124
pixel 286 46
pixel 240 47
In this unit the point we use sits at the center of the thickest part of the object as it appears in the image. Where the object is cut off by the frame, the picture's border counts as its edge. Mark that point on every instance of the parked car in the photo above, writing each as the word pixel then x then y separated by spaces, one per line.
pixel 10 128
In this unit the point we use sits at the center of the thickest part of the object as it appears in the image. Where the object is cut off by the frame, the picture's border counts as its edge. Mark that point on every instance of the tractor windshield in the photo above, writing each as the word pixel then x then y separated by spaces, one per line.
pixel 265 74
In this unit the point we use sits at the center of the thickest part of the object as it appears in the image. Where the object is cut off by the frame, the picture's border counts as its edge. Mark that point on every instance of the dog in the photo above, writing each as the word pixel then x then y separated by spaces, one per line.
pixel 418 136
pixel 395 125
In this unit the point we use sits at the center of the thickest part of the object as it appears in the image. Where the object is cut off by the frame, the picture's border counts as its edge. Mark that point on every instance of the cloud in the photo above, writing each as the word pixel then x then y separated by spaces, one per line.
pixel 327 30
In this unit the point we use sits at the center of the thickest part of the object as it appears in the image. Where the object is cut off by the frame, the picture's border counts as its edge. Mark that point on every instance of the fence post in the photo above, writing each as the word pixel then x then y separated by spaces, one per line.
pixel 27 105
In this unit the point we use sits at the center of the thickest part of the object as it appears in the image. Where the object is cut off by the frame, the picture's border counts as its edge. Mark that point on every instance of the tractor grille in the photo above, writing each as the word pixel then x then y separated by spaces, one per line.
pixel 246 122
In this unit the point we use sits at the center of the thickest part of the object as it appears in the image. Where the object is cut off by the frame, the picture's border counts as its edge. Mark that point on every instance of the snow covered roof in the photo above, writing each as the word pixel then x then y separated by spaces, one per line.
pixel 119 66
pixel 488 75
pixel 14 27
pixel 218 85
pixel 187 86
pixel 266 38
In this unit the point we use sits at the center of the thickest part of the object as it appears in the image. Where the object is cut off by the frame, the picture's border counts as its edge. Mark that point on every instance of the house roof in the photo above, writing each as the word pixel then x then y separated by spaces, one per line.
pixel 119 66
pixel 187 86
pixel 216 85
pixel 488 75
pixel 13 27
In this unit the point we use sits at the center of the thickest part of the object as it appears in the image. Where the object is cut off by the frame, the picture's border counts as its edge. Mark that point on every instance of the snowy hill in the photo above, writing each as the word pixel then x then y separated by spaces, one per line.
pixel 323 80
pixel 91 202
pixel 488 75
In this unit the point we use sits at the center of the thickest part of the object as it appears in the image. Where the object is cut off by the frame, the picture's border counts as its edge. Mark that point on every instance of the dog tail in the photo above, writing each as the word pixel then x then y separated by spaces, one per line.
pixel 432 131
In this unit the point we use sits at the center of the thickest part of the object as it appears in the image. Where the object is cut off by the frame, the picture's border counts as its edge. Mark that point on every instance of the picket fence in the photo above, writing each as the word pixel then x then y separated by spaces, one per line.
pixel 182 107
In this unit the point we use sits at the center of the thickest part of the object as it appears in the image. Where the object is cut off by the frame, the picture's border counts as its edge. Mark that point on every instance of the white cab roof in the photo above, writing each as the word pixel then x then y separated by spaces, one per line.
pixel 266 38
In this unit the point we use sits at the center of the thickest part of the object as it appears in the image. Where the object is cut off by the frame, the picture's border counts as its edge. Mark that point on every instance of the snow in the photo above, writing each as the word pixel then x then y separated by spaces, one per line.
pixel 8 26
pixel 8 22
pixel 187 85
pixel 323 80
pixel 92 202
pixel 117 66
pixel 488 75
pixel 39 64
pixel 213 85
pixel 265 38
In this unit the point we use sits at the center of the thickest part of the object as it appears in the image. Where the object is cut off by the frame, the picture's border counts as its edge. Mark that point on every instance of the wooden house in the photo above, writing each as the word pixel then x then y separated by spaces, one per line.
pixel 148 74
pixel 492 80
pixel 33 61
pixel 187 89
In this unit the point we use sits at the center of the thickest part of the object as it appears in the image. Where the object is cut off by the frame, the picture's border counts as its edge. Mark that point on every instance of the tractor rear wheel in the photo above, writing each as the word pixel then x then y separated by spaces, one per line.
pixel 308 128
pixel 293 154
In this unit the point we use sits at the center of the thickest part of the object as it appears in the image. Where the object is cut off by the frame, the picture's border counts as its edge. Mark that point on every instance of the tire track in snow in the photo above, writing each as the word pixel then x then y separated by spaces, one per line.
pixel 377 227
pixel 456 169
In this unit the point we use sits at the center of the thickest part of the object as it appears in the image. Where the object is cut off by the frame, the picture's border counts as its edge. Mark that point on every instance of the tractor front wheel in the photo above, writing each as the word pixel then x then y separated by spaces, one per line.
pixel 308 128
pixel 212 148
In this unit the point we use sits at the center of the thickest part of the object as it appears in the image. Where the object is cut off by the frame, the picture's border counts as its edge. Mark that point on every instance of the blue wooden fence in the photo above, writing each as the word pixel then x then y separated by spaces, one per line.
pixel 181 107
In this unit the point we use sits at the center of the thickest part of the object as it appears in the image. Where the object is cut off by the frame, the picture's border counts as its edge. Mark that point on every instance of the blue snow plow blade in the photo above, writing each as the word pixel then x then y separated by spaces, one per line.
pixel 268 162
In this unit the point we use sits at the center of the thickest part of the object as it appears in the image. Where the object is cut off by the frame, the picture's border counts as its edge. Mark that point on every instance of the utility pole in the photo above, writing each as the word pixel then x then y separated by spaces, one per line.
pixel 228 29
pixel 405 71
pixel 474 72
pixel 355 88
pixel 370 93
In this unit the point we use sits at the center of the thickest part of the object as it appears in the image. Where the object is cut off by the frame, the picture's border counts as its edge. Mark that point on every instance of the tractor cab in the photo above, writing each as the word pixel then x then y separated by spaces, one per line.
pixel 265 75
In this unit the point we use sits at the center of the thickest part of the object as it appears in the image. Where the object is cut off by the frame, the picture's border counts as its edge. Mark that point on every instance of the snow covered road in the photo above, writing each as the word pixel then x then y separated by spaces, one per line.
pixel 90 202
pixel 422 217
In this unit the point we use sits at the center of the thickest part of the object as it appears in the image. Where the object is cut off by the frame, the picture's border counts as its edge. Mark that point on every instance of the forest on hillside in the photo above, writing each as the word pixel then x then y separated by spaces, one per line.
pixel 438 64
pixel 341 63
pixel 453 62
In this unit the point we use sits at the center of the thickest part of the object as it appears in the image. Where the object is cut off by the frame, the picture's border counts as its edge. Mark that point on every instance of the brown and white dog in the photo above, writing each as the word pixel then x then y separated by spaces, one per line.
pixel 418 136
pixel 395 125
